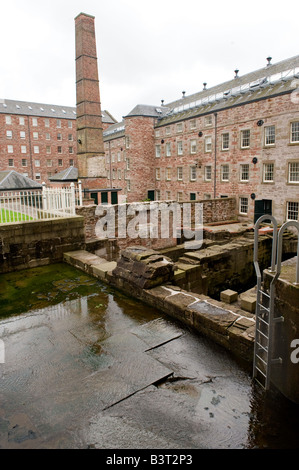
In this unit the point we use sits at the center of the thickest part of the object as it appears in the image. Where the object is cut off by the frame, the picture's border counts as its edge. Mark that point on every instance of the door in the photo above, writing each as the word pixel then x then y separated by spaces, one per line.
pixel 192 196
pixel 262 207
pixel 151 195
pixel 94 196
pixel 104 198
pixel 114 198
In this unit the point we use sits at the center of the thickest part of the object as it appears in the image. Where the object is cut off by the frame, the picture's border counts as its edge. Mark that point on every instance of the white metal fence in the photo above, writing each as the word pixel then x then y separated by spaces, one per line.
pixel 47 203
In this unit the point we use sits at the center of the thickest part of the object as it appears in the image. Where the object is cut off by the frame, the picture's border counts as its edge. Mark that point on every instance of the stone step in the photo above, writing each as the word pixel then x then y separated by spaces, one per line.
pixel 90 263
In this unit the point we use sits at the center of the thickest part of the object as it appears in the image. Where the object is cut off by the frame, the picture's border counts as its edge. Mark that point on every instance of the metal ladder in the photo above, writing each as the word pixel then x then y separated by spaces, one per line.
pixel 265 320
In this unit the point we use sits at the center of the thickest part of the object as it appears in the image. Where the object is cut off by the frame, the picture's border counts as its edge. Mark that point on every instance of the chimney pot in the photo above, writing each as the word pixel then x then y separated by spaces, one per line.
pixel 205 86
pixel 269 61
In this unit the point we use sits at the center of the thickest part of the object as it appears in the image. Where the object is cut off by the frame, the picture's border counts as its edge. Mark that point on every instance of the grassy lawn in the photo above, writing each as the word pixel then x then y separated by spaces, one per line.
pixel 9 216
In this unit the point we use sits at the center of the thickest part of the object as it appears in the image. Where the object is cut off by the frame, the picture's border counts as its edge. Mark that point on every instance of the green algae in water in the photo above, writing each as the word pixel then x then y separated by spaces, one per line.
pixel 38 288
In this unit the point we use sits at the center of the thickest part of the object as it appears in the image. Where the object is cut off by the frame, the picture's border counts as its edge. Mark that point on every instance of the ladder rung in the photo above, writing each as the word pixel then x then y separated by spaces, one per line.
pixel 262 320
pixel 264 293
pixel 259 331
pixel 262 347
pixel 261 359
pixel 261 372
pixel 262 385
pixel 264 308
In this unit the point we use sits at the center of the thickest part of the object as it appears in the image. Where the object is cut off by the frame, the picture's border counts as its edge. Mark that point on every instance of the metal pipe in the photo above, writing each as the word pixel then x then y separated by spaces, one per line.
pixel 215 162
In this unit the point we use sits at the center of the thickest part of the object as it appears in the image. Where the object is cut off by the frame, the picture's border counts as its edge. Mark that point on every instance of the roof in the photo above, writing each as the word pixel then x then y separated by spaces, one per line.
pixel 27 108
pixel 148 111
pixel 115 131
pixel 11 180
pixel 71 174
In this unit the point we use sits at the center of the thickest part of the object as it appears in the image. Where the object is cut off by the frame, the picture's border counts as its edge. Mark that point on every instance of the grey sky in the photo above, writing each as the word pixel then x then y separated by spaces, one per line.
pixel 147 50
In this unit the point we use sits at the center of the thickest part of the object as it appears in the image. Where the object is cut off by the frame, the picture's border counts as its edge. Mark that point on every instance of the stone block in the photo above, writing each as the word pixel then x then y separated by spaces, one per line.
pixel 248 303
pixel 229 296
pixel 101 270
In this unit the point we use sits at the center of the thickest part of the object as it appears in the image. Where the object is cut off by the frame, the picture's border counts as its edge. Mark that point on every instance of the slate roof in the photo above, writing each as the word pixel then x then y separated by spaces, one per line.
pixel 69 175
pixel 148 111
pixel 26 108
pixel 11 180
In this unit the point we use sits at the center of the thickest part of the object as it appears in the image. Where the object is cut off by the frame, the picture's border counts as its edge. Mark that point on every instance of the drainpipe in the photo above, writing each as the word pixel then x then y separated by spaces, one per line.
pixel 215 162
pixel 30 150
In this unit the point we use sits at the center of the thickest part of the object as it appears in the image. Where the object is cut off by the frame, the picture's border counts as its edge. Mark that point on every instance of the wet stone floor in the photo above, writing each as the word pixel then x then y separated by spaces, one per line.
pixel 86 367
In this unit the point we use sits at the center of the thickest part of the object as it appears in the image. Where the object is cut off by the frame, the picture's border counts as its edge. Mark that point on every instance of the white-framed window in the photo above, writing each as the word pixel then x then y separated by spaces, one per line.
pixel 22 121
pixel 193 146
pixel 192 173
pixel 294 172
pixel 180 173
pixel 180 196
pixel 8 120
pixel 48 136
pixel 10 162
pixel 168 149
pixel 168 174
pixel 10 149
pixel 59 136
pixel 129 185
pixel 168 195
pixel 58 123
pixel 48 149
pixel 179 127
pixel 245 139
pixel 193 124
pixel 157 133
pixel 295 132
pixel 128 164
pixel 59 149
pixel 35 135
pixel 37 176
pixel 225 141
pixel 224 172
pixel 208 121
pixel 34 122
pixel 127 142
pixel 71 162
pixel 244 172
pixel 49 163
pixel 158 174
pixel 24 162
pixel 70 137
pixel 269 136
pixel 208 173
pixel 119 174
pixel 71 150
pixel 158 195
pixel 36 149
pixel 114 173
pixel 60 162
pixel 118 157
pixel 208 144
pixel 292 210
pixel 70 124
pixel 23 149
pixel 268 173
pixel 22 135
pixel 244 205
pixel 113 158
pixel 37 163
pixel 158 151
pixel 47 122
pixel 9 134
pixel 180 148
pixel 168 130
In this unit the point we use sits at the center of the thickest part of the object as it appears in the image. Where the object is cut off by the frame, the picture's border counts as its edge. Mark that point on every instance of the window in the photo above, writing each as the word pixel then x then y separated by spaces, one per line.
pixel 119 174
pixel 179 127
pixel 158 195
pixel 292 210
pixel 37 163
pixel 8 120
pixel 158 174
pixel 168 174
pixel 127 142
pixel 70 124
pixel 35 135
pixel 268 174
pixel 225 173
pixel 10 162
pixel 37 176
pixel 295 132
pixel 49 163
pixel 294 172
pixel 208 121
pixel 24 162
pixel 23 149
pixel 48 149
pixel 244 205
pixel 71 162
pixel 168 131
pixel 23 135
pixel 158 151
pixel 128 185
pixel 47 122
pixel 207 196
pixel 58 123
pixel 225 141
pixel 114 174
pixel 168 149
pixel 208 173
pixel 48 136
pixel 180 173
pixel 269 136
pixel 59 150
pixel 59 136
pixel 208 144
pixel 10 148
pixel 71 150
pixel 119 157
pixel 128 164
pixel 34 122
pixel 60 162
pixel 157 133
pixel 36 149
pixel 70 137
pixel 9 134
pixel 180 196
pixel 245 139
pixel 22 121
pixel 244 173
pixel 193 173
pixel 168 195
pixel 193 146
pixel 180 148
pixel 193 124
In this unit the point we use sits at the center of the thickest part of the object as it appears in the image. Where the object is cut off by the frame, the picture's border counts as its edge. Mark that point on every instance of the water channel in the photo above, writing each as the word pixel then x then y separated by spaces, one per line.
pixel 86 367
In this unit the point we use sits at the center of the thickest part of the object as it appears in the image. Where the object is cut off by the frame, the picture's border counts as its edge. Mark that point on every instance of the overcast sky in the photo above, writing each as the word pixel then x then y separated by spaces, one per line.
pixel 147 50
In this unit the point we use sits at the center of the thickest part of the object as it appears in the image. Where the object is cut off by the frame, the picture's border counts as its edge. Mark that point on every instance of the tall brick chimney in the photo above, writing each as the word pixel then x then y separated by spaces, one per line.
pixel 90 146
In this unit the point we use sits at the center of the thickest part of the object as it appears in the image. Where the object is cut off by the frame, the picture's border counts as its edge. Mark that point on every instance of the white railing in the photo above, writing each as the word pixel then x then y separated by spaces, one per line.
pixel 47 203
